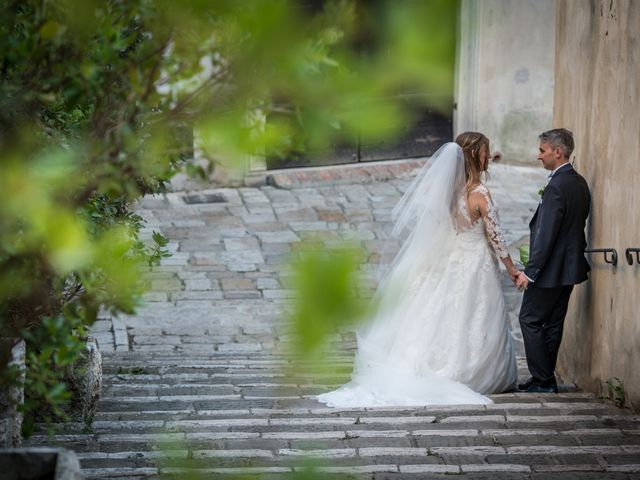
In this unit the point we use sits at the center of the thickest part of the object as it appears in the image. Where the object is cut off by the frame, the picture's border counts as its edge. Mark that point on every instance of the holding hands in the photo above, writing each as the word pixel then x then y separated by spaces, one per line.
pixel 518 278
pixel 521 282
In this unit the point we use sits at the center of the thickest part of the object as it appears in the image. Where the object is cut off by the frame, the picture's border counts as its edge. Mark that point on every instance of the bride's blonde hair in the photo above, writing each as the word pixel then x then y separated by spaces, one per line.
pixel 471 144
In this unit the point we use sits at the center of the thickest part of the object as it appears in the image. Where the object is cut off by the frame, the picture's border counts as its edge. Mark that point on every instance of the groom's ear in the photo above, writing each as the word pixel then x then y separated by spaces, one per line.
pixel 558 152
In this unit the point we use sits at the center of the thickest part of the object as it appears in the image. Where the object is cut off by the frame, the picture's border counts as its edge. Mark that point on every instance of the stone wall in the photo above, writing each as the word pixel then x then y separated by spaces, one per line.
pixel 597 96
pixel 12 396
pixel 505 73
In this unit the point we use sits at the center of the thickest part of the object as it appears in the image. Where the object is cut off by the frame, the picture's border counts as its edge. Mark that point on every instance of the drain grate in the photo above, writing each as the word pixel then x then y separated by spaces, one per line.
pixel 203 198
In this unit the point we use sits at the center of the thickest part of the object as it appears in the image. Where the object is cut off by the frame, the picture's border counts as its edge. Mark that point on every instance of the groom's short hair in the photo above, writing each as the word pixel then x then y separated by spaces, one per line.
pixel 559 137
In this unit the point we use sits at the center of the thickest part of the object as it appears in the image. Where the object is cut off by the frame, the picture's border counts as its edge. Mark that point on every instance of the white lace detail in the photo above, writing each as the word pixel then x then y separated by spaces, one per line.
pixel 492 224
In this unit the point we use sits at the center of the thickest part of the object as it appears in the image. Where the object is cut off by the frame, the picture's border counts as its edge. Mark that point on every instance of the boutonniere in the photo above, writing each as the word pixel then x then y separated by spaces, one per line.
pixel 541 191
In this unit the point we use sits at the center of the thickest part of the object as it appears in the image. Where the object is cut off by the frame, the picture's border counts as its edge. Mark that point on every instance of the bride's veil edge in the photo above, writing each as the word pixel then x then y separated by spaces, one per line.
pixel 423 221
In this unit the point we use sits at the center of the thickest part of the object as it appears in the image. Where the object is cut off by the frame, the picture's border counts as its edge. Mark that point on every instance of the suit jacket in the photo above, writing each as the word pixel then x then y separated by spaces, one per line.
pixel 557 242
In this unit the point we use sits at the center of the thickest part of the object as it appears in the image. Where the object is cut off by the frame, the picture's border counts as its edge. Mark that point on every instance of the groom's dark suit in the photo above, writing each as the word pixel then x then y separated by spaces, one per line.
pixel 556 264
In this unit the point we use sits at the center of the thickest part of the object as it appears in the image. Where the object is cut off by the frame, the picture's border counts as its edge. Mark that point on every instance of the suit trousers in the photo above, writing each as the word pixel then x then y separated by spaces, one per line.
pixel 542 321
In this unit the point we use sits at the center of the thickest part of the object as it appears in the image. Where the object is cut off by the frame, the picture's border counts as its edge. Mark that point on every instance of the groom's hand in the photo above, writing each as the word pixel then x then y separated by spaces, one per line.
pixel 522 282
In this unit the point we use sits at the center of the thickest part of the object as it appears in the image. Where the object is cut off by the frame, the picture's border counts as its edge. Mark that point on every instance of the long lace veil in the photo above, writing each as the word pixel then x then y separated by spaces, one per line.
pixel 424 222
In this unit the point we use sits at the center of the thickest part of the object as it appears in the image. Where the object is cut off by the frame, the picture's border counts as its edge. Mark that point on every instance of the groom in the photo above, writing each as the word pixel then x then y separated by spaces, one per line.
pixel 556 259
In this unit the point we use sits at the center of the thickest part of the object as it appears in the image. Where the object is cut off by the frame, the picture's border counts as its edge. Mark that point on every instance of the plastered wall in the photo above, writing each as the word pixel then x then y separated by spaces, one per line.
pixel 505 73
pixel 597 96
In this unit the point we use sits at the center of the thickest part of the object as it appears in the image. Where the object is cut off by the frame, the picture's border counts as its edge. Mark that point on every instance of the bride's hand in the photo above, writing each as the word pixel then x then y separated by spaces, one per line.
pixel 512 270
pixel 513 274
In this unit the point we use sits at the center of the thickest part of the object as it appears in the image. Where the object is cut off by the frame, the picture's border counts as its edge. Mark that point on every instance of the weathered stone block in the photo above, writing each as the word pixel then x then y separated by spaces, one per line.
pixel 12 396
pixel 84 380
pixel 242 294
pixel 237 284
pixel 36 463
pixel 283 236
pixel 267 284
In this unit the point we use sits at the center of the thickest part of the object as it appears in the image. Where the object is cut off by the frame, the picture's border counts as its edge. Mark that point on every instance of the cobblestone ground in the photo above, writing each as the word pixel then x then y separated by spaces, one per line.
pixel 197 379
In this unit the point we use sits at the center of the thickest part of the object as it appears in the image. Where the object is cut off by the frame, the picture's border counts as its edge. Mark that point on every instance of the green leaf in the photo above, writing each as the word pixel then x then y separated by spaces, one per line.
pixel 324 280
pixel 160 239
pixel 56 391
pixel 51 29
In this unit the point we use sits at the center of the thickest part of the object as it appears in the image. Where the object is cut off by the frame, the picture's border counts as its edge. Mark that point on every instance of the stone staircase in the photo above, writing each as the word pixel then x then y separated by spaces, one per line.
pixel 196 386
pixel 255 415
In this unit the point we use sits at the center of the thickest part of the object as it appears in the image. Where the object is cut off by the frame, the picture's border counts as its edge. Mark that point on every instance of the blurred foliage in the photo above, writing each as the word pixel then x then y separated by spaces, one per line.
pixel 179 460
pixel 57 348
pixel 326 280
pixel 615 391
pixel 95 98
pixel 74 155
pixel 524 254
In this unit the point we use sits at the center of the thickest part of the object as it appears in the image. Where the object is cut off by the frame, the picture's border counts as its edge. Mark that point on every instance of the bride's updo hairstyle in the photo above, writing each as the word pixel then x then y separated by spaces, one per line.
pixel 471 144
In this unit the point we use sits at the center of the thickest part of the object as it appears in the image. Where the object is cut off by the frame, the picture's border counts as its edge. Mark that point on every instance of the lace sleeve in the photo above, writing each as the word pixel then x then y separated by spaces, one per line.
pixel 492 225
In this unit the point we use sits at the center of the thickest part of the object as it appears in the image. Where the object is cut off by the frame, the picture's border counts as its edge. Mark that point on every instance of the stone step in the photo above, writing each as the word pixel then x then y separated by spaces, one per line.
pixel 343 369
pixel 354 456
pixel 415 460
pixel 391 471
pixel 162 365
pixel 235 377
pixel 202 405
pixel 427 437
pixel 492 421
pixel 129 357
pixel 191 413
pixel 530 407
pixel 163 389
pixel 245 407
pixel 131 390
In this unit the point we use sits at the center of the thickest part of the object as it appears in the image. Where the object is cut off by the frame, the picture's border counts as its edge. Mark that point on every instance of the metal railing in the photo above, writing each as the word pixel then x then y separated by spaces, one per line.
pixel 612 259
pixel 629 254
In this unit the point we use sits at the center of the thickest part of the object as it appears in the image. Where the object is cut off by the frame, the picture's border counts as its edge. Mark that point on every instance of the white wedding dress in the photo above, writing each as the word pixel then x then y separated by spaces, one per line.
pixel 440 333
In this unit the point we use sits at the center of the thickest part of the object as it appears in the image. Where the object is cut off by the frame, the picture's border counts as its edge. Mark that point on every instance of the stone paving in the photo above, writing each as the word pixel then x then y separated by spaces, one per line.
pixel 227 285
pixel 197 379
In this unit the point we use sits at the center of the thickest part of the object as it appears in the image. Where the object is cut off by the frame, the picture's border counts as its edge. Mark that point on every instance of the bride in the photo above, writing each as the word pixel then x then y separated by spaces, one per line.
pixel 440 333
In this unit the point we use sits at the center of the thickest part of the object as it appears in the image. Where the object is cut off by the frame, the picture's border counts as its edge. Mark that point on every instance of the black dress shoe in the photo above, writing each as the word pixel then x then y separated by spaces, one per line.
pixel 540 389
pixel 525 385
